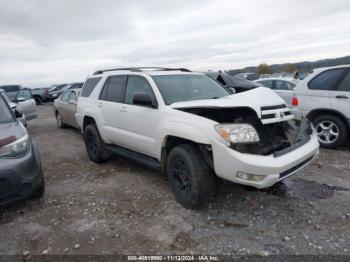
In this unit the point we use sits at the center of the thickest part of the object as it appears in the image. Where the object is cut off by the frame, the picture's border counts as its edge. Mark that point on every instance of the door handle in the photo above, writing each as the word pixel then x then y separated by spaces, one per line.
pixel 342 97
pixel 123 109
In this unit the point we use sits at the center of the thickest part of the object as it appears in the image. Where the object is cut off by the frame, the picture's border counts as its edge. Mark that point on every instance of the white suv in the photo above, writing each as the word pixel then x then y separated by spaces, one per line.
pixel 324 97
pixel 193 129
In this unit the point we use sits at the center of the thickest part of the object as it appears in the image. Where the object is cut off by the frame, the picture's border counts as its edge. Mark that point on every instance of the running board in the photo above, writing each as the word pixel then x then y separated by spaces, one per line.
pixel 138 157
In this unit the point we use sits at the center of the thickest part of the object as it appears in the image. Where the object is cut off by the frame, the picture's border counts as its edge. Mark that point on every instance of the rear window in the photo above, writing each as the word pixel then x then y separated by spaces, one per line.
pixel 89 86
pixel 10 88
pixel 326 80
pixel 5 113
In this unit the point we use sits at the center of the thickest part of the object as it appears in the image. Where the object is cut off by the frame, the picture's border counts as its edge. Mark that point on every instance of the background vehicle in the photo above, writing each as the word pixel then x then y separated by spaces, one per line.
pixel 193 129
pixel 23 103
pixel 238 83
pixel 20 169
pixel 65 108
pixel 58 90
pixel 324 97
pixel 249 76
pixel 11 90
pixel 41 95
pixel 282 86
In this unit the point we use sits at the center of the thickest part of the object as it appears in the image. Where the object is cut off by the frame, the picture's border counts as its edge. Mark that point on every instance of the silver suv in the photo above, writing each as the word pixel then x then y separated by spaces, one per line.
pixel 324 97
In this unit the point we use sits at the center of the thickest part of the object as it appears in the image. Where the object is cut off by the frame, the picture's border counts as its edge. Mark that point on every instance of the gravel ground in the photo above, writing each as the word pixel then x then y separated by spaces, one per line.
pixel 121 207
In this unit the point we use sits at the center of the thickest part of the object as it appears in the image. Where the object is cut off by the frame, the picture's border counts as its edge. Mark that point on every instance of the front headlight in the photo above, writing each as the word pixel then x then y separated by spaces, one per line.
pixel 16 149
pixel 54 95
pixel 238 133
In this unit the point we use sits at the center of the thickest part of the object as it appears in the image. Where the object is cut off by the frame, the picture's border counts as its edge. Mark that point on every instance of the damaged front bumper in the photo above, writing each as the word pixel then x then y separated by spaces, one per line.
pixel 260 170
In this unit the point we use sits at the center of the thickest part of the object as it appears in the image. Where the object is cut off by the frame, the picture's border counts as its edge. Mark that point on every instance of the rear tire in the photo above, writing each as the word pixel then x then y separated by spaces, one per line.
pixel 94 145
pixel 331 131
pixel 38 100
pixel 59 122
pixel 192 181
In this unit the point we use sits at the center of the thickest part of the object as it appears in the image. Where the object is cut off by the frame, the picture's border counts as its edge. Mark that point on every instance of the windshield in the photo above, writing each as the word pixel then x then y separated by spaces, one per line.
pixel 179 88
pixel 5 113
pixel 6 97
pixel 57 88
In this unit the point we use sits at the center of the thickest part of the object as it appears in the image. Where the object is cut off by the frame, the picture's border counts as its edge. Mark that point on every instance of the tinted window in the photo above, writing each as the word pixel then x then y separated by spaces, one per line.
pixel 5 113
pixel 325 80
pixel 137 85
pixel 65 96
pixel 345 84
pixel 25 93
pixel 284 85
pixel 10 88
pixel 266 83
pixel 113 90
pixel 89 86
pixel 73 97
pixel 186 87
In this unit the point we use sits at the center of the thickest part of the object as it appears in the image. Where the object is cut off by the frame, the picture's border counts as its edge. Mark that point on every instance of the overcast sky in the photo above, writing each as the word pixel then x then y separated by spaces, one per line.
pixel 51 41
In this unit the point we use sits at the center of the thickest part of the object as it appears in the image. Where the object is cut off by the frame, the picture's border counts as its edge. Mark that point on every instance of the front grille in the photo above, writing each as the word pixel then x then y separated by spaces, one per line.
pixel 295 168
pixel 273 114
pixel 5 187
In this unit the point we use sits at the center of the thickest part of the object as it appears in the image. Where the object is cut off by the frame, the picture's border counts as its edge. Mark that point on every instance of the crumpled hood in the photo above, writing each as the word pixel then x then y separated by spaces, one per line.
pixel 255 99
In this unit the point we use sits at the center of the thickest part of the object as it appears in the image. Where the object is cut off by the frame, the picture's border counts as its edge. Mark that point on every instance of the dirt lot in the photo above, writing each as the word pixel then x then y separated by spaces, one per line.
pixel 124 208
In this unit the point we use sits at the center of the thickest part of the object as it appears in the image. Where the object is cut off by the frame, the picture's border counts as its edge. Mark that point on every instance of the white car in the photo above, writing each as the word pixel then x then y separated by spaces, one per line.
pixel 193 129
pixel 282 86
pixel 324 97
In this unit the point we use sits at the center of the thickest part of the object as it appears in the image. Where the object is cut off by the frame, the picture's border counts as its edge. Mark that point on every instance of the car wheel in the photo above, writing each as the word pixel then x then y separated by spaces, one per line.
pixel 192 181
pixel 59 121
pixel 41 189
pixel 94 144
pixel 331 131
pixel 38 101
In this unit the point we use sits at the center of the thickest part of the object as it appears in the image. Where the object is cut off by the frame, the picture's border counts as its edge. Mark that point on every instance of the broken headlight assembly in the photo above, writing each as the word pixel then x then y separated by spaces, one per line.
pixel 238 133
pixel 16 149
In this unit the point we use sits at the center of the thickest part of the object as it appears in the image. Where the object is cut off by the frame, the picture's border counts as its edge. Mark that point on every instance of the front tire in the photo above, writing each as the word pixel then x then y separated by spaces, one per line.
pixel 94 145
pixel 192 181
pixel 331 131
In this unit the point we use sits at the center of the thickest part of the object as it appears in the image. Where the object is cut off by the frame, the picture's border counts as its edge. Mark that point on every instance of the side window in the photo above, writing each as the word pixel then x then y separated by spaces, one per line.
pixel 113 89
pixel 284 85
pixel 137 85
pixel 325 80
pixel 89 86
pixel 65 96
pixel 345 84
pixel 25 93
pixel 267 83
pixel 72 98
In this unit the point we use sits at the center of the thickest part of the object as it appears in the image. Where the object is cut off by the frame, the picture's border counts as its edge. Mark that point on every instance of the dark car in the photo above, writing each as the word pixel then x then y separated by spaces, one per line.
pixel 20 168
pixel 238 83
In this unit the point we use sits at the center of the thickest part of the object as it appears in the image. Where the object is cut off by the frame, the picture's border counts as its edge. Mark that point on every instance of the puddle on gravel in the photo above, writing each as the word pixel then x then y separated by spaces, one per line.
pixel 301 188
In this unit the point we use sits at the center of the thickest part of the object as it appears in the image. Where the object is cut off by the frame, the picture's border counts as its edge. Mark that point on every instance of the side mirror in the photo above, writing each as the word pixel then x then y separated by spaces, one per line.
pixel 20 99
pixel 143 99
pixel 231 89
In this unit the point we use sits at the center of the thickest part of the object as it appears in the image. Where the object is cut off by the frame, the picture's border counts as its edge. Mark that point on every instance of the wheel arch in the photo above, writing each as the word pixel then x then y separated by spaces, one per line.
pixel 322 111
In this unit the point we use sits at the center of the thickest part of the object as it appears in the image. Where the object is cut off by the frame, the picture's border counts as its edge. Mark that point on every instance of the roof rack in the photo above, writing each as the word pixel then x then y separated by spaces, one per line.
pixel 141 69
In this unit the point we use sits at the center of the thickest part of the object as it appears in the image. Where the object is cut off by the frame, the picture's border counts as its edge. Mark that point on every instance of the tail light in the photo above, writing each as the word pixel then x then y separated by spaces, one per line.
pixel 295 101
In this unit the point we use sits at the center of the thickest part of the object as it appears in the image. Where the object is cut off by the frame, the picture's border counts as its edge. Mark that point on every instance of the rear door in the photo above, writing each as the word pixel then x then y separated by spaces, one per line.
pixel 110 101
pixel 285 90
pixel 340 95
pixel 27 107
pixel 317 94
pixel 71 108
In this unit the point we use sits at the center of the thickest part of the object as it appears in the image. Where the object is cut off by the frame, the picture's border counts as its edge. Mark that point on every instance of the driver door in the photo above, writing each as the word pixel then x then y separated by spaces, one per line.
pixel 26 104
